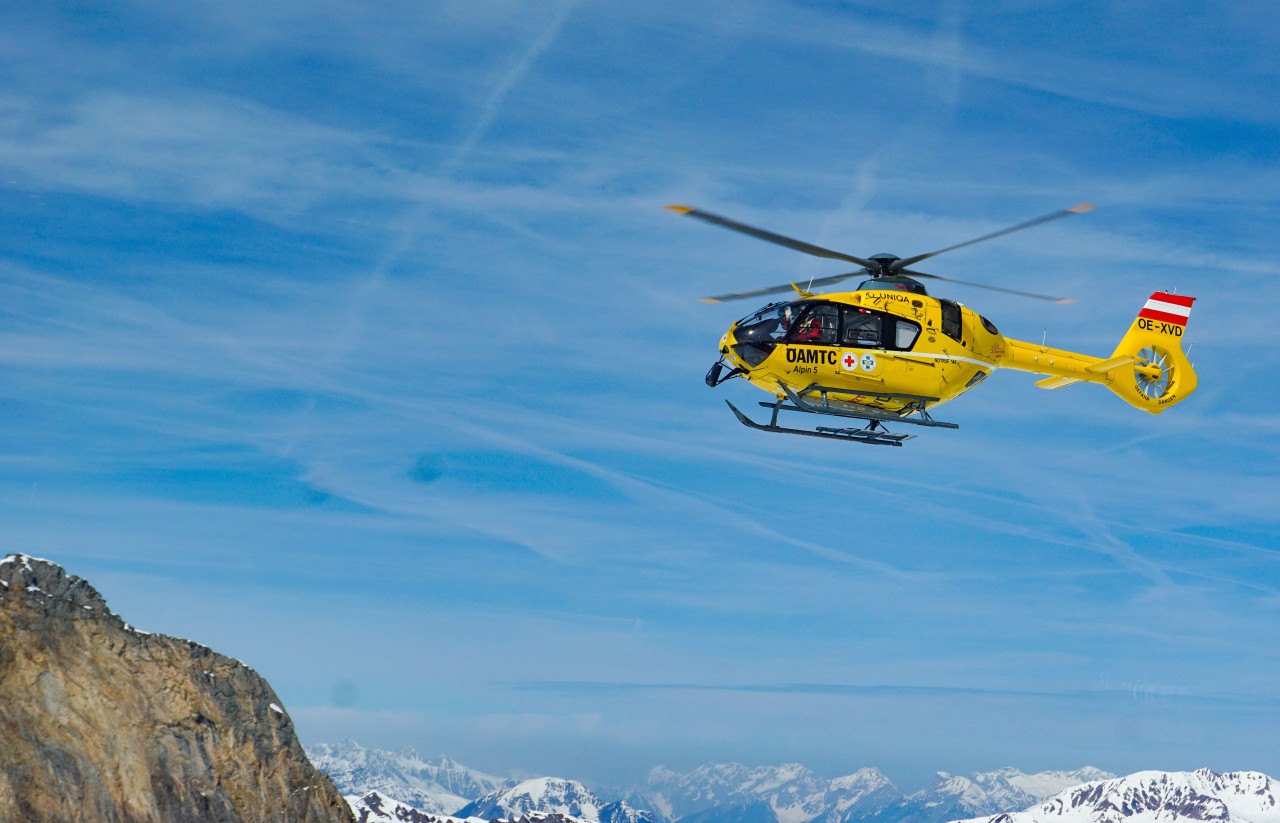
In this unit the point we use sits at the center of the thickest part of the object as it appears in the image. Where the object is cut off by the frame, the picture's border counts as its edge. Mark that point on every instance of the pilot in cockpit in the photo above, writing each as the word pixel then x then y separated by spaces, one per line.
pixel 784 323
pixel 810 329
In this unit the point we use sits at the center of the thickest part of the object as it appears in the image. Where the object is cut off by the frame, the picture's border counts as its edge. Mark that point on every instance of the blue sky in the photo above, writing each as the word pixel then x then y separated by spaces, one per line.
pixel 354 342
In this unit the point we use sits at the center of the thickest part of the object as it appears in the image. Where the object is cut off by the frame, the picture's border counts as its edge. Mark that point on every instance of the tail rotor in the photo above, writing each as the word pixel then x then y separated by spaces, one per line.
pixel 1153 372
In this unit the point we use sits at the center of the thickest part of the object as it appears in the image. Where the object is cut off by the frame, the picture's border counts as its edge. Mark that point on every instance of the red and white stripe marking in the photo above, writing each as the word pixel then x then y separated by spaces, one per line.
pixel 1168 308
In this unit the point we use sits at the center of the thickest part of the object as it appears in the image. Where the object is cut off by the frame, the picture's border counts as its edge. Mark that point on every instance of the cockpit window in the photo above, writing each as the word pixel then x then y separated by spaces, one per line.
pixel 819 325
pixel 767 324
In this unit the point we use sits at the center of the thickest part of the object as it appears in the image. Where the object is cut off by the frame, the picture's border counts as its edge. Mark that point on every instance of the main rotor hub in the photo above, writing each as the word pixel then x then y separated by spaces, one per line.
pixel 883 264
pixel 892 282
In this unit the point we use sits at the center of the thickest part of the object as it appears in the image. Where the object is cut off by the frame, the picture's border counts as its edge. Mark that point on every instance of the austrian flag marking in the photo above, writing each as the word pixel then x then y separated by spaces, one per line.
pixel 1168 308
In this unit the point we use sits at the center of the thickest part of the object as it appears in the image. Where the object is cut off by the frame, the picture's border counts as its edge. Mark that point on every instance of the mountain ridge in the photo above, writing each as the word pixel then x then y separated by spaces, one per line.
pixel 1202 796
pixel 440 786
pixel 734 793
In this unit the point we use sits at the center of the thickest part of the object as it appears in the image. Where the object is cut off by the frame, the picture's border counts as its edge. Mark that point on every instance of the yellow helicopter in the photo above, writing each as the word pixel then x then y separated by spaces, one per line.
pixel 889 352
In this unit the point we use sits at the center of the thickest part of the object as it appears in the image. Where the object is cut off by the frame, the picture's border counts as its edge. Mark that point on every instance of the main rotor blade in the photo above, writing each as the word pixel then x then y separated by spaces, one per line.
pixel 768 236
pixel 821 281
pixel 1051 299
pixel 1079 208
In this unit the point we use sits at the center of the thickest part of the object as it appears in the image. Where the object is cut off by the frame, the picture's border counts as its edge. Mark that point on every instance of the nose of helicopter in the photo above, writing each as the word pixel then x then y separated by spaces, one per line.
pixel 738 357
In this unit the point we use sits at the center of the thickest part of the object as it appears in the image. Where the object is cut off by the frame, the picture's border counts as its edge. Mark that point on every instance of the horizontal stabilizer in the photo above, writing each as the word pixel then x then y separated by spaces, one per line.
pixel 1057 382
pixel 1107 365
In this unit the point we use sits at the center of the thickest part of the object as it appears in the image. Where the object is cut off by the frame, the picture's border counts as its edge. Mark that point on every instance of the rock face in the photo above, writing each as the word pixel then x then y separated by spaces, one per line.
pixel 99 722
pixel 374 807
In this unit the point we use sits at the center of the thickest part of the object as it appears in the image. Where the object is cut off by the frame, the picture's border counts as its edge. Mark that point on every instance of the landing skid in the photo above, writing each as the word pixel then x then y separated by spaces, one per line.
pixel 874 433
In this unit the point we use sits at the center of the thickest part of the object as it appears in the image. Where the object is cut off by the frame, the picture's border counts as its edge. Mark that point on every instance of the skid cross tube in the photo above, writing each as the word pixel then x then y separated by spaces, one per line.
pixel 840 408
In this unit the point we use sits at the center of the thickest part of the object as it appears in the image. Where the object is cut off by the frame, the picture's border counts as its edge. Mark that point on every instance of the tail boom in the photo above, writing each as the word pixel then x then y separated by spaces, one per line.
pixel 1148 369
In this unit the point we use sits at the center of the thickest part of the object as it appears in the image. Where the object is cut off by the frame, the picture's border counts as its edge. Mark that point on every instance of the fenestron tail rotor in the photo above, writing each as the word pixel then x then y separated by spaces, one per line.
pixel 1153 372
pixel 880 265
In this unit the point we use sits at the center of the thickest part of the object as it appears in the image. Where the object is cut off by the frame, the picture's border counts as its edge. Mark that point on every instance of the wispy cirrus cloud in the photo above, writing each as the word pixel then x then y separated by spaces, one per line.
pixel 1126 692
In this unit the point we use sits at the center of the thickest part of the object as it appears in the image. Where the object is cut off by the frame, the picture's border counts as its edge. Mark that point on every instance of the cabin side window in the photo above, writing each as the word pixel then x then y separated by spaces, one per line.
pixel 951 323
pixel 862 329
pixel 904 334
pixel 867 329
pixel 817 326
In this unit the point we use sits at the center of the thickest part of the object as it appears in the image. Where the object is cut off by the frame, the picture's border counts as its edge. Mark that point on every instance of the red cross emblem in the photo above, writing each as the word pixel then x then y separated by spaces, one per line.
pixel 850 361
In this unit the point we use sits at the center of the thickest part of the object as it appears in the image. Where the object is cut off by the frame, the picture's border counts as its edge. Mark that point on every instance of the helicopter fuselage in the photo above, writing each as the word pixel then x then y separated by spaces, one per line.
pixel 898 350
pixel 871 345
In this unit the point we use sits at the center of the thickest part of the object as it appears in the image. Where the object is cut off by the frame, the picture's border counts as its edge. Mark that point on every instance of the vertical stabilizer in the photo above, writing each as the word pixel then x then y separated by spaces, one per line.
pixel 1149 369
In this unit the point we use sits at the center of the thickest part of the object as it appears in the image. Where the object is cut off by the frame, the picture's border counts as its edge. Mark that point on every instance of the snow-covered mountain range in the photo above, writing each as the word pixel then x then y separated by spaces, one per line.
pixel 732 793
pixel 374 807
pixel 404 787
pixel 985 793
pixel 554 796
pixel 1159 797
pixel 437 787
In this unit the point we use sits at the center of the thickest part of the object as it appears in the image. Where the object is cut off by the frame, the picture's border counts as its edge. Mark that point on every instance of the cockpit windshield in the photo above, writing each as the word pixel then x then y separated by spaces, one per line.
pixel 768 324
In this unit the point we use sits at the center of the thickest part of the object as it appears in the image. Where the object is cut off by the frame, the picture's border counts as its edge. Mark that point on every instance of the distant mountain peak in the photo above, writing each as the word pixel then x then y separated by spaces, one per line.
pixel 555 795
pixel 785 793
pixel 437 788
pixel 1202 796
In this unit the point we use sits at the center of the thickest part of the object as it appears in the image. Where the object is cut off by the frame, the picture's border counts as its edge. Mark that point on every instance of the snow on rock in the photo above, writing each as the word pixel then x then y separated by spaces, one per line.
pixel 1203 796
pixel 983 793
pixel 865 789
pixel 375 807
pixel 961 790
pixel 1011 789
pixel 620 812
pixel 550 795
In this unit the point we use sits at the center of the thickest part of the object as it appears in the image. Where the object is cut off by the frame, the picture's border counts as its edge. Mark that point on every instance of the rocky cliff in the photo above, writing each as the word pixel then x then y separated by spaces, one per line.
pixel 100 722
